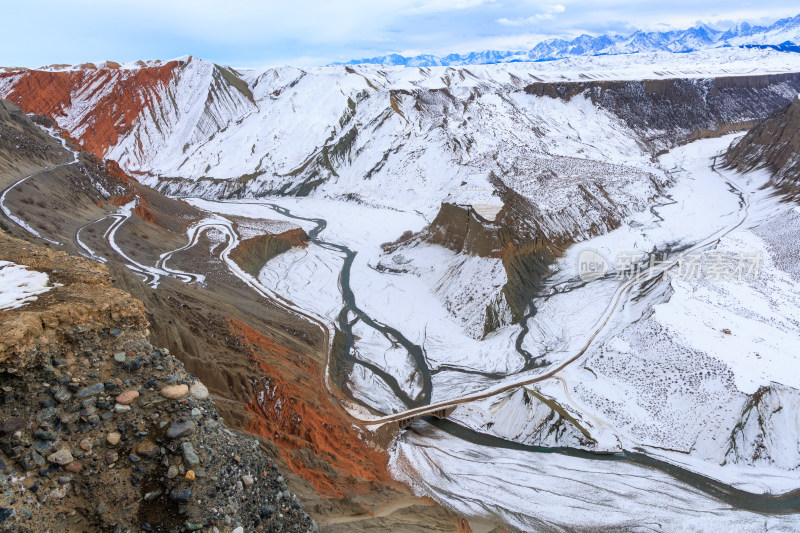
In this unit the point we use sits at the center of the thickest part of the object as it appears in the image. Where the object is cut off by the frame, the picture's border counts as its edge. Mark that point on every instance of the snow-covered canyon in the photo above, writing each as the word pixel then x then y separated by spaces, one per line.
pixel 448 211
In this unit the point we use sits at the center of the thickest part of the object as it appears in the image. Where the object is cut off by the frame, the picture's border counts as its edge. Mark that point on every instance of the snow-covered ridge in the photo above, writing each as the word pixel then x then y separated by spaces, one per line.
pixel 111 65
pixel 782 34
pixel 403 138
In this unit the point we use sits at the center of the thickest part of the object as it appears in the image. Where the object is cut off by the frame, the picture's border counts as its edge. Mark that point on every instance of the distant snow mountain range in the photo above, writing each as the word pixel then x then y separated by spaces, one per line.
pixel 782 35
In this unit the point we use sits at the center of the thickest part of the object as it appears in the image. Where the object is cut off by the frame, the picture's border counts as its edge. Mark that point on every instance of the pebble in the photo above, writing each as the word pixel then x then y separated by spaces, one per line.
pixel 180 429
pixel 127 397
pixel 113 438
pixel 111 457
pixel 69 418
pixel 11 425
pixel 32 460
pixel 62 457
pixel 62 395
pixel 175 392
pixel 120 408
pixel 198 391
pixel 86 444
pixel 41 446
pixel 89 402
pixel 247 480
pixel 45 435
pixel 189 475
pixel 172 472
pixel 74 467
pixel 133 366
pixel 189 456
pixel 90 391
pixel 47 415
pixel 119 357
pixel 180 495
pixel 147 448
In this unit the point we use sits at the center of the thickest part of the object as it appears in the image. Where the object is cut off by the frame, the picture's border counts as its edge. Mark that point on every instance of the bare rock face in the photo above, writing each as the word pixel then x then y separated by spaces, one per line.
pixel 673 111
pixel 773 144
pixel 767 430
pixel 462 230
pixel 253 253
pixel 50 93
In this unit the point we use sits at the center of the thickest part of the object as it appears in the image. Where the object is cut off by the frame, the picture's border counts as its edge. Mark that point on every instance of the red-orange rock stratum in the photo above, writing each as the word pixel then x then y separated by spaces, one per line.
pixel 293 408
pixel 119 96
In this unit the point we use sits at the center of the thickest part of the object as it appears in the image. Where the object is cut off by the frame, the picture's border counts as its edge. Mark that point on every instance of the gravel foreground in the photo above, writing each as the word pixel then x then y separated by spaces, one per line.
pixel 101 431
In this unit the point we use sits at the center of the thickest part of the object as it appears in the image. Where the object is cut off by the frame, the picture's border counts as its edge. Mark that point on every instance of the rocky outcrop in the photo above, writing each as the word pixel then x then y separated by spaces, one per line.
pixel 773 144
pixel 461 229
pixel 529 416
pixel 105 106
pixel 253 253
pixel 82 297
pixel 768 429
pixel 515 238
pixel 668 112
pixel 100 430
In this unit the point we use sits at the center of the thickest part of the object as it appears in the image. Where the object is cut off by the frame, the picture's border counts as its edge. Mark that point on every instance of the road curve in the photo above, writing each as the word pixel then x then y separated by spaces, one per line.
pixel 18 221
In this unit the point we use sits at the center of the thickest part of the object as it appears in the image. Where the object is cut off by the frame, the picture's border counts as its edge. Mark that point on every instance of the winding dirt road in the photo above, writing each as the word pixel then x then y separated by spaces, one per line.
pixel 18 221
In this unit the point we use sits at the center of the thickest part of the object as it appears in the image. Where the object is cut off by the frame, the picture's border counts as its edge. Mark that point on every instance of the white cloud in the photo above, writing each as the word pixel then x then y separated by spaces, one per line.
pixel 514 42
pixel 547 13
pixel 438 6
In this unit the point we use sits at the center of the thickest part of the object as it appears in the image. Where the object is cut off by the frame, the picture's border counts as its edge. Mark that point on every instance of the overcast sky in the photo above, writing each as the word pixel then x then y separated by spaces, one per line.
pixel 306 32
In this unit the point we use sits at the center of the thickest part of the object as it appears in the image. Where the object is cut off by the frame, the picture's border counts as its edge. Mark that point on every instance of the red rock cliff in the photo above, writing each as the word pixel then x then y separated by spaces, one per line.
pixel 118 97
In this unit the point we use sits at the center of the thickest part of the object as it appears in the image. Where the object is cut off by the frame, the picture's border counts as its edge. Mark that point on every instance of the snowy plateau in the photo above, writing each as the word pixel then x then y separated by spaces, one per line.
pixel 446 210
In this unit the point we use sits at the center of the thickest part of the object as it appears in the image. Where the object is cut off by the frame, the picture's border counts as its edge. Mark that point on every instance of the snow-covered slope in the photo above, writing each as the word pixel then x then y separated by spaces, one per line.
pixel 489 175
pixel 394 137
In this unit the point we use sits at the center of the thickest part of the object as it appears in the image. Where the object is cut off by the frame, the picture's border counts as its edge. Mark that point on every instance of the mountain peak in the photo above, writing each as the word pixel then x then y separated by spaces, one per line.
pixel 701 36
